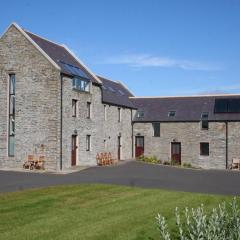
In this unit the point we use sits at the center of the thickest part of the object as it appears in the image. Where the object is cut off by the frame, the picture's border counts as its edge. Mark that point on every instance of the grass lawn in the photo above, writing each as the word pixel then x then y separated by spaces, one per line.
pixel 91 212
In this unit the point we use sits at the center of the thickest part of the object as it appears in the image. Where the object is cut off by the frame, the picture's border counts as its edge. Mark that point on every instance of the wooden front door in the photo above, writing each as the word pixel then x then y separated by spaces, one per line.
pixel 139 146
pixel 176 152
pixel 74 150
pixel 119 147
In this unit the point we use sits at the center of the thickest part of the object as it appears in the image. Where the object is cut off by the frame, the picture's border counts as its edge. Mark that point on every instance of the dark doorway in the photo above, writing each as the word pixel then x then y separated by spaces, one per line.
pixel 74 150
pixel 139 146
pixel 176 152
pixel 119 147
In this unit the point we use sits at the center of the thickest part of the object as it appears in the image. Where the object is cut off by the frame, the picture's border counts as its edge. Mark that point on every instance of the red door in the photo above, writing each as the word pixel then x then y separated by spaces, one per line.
pixel 74 150
pixel 139 146
pixel 176 152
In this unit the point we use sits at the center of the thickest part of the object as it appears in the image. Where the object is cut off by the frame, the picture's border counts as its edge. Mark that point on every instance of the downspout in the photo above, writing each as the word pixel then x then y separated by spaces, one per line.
pixel 226 123
pixel 132 131
pixel 61 121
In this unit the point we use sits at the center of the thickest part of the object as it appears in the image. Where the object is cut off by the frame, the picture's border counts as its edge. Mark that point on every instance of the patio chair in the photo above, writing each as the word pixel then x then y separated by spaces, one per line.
pixel 40 163
pixel 30 163
pixel 235 164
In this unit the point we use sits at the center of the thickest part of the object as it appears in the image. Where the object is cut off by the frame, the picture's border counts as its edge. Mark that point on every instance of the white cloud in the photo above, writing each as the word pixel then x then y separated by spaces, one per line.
pixel 147 60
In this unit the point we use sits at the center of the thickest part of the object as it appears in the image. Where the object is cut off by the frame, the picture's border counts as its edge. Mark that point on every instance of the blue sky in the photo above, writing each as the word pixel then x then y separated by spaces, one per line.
pixel 156 47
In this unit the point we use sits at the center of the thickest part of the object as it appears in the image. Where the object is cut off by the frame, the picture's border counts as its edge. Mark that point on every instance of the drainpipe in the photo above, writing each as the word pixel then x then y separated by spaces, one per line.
pixel 226 123
pixel 61 121
pixel 132 129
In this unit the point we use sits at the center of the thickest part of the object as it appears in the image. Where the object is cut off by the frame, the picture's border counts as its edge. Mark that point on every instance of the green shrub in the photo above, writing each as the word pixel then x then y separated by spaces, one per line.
pixel 223 223
pixel 150 159
pixel 175 163
pixel 166 163
pixel 187 165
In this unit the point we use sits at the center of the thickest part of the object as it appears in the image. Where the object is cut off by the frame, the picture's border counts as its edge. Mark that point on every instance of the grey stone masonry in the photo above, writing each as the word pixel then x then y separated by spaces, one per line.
pixel 38 111
pixel 103 132
pixel 190 134
pixel 37 124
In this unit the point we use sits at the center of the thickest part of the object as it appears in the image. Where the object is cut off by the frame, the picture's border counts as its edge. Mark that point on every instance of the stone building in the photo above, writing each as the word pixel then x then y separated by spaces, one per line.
pixel 203 131
pixel 51 104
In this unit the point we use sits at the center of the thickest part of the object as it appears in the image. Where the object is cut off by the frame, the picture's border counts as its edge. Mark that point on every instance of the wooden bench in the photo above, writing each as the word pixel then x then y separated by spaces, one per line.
pixel 105 158
pixel 34 163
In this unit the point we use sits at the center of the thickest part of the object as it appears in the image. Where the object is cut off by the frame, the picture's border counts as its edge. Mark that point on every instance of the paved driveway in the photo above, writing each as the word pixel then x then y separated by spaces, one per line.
pixel 131 174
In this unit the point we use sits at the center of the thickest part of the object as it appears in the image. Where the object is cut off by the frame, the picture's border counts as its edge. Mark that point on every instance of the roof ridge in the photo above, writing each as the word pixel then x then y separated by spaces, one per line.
pixel 58 44
pixel 190 96
pixel 107 79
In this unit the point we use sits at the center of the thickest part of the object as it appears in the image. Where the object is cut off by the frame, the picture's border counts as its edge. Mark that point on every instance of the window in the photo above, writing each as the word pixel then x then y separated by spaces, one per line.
pixel 119 114
pixel 204 121
pixel 105 112
pixel 204 149
pixel 89 114
pixel 74 108
pixel 140 114
pixel 171 113
pixel 11 117
pixel 88 143
pixel 81 84
pixel 156 129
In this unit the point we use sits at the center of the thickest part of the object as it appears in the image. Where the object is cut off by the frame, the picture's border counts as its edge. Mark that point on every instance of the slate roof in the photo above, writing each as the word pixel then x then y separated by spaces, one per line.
pixel 187 109
pixel 116 93
pixel 59 54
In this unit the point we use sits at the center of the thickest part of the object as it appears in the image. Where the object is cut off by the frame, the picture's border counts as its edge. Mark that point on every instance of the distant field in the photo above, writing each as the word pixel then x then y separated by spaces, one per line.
pixel 94 212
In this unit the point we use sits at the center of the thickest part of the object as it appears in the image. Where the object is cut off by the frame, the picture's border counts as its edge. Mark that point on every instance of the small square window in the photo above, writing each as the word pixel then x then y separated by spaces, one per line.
pixel 156 129
pixel 204 124
pixel 88 142
pixel 89 111
pixel 204 115
pixel 171 113
pixel 105 112
pixel 140 114
pixel 74 107
pixel 119 115
pixel 204 149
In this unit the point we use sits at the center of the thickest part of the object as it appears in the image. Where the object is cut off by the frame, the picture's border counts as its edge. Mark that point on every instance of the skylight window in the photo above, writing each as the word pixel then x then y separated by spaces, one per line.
pixel 171 113
pixel 111 89
pixel 75 71
pixel 121 92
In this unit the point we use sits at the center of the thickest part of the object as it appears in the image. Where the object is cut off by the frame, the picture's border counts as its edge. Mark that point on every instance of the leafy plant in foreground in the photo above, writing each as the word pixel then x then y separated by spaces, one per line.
pixel 223 223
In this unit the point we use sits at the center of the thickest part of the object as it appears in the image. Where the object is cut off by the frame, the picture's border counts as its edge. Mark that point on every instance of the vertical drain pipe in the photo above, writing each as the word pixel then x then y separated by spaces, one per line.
pixel 61 121
pixel 226 123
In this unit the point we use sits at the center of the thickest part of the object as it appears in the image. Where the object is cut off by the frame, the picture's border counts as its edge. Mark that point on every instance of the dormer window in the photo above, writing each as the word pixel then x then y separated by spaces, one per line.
pixel 171 113
pixel 140 114
pixel 204 115
pixel 81 84
pixel 204 120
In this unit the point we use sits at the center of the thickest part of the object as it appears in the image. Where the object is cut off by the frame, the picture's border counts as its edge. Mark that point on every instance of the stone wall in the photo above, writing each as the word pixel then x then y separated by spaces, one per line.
pixel 233 141
pixel 190 135
pixel 103 132
pixel 37 102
